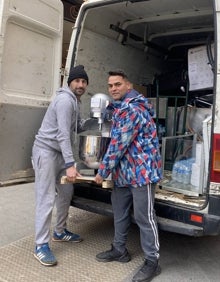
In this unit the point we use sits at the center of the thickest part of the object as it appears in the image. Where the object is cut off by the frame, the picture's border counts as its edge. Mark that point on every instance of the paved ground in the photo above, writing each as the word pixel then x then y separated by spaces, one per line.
pixel 183 259
pixel 16 212
pixel 76 262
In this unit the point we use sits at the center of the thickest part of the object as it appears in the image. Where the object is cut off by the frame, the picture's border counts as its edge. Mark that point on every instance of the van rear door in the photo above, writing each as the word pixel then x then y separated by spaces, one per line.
pixel 30 62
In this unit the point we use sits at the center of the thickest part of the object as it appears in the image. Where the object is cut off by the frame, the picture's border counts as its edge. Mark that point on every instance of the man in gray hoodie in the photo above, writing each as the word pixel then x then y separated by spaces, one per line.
pixel 52 156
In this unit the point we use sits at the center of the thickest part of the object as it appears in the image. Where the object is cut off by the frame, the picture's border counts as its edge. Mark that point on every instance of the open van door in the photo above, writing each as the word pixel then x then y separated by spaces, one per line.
pixel 30 62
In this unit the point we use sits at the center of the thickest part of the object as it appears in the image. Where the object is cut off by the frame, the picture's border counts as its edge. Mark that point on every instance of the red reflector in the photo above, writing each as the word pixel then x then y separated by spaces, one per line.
pixel 196 218
pixel 215 171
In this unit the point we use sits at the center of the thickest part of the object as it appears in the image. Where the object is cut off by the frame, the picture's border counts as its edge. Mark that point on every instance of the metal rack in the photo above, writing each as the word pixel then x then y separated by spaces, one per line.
pixel 176 101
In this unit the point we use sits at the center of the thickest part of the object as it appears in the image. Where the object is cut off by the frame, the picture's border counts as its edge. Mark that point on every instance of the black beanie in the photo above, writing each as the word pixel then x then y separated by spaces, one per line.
pixel 77 72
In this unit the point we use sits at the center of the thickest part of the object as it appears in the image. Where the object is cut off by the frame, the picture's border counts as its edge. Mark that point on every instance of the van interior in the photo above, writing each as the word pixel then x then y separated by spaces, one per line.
pixel 167 48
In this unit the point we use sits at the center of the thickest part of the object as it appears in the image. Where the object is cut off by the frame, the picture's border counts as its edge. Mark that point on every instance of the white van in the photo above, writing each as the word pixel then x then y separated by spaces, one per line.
pixel 168 48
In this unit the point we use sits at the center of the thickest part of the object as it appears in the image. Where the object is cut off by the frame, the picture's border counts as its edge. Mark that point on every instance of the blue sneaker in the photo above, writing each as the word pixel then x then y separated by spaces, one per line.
pixel 66 236
pixel 45 256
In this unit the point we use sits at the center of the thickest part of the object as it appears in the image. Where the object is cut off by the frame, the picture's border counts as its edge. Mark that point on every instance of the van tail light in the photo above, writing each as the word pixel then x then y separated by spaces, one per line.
pixel 196 218
pixel 215 171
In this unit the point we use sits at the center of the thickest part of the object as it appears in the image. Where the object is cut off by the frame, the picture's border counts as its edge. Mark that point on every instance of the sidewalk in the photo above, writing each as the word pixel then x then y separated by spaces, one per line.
pixel 16 212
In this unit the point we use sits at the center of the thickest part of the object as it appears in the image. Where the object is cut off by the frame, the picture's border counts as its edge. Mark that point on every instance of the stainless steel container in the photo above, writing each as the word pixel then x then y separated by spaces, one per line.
pixel 92 149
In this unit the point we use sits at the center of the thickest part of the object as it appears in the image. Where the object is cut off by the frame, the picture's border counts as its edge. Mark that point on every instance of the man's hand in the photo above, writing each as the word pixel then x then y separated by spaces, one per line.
pixel 98 179
pixel 72 173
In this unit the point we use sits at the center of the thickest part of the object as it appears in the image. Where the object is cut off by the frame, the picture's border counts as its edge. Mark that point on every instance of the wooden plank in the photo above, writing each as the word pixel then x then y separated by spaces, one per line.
pixel 107 184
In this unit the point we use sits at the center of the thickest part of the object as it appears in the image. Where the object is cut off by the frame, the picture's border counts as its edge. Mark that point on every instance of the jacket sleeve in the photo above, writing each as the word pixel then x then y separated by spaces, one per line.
pixel 65 112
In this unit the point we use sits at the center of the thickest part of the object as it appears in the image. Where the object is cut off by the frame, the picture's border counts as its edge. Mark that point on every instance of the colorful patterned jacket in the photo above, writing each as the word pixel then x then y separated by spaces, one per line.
pixel 133 155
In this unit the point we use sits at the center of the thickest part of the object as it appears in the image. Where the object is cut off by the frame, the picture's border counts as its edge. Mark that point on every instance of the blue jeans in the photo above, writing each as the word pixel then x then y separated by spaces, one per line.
pixel 142 200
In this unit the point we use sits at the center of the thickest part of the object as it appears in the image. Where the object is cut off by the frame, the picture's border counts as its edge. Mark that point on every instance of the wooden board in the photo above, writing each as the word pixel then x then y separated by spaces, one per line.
pixel 108 184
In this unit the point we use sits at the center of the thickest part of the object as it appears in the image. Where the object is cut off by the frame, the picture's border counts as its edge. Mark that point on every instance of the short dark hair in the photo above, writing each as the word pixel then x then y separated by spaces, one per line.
pixel 118 72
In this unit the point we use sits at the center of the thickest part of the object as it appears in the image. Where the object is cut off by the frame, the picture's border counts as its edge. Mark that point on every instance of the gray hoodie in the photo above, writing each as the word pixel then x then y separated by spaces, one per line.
pixel 60 121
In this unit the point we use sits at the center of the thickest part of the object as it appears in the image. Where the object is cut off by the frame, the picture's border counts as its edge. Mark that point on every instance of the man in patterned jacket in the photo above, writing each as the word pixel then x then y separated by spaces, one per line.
pixel 133 158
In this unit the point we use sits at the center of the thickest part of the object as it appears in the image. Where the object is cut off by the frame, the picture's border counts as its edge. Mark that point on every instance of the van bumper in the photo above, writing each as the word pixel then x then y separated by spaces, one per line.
pixel 170 218
pixel 163 223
